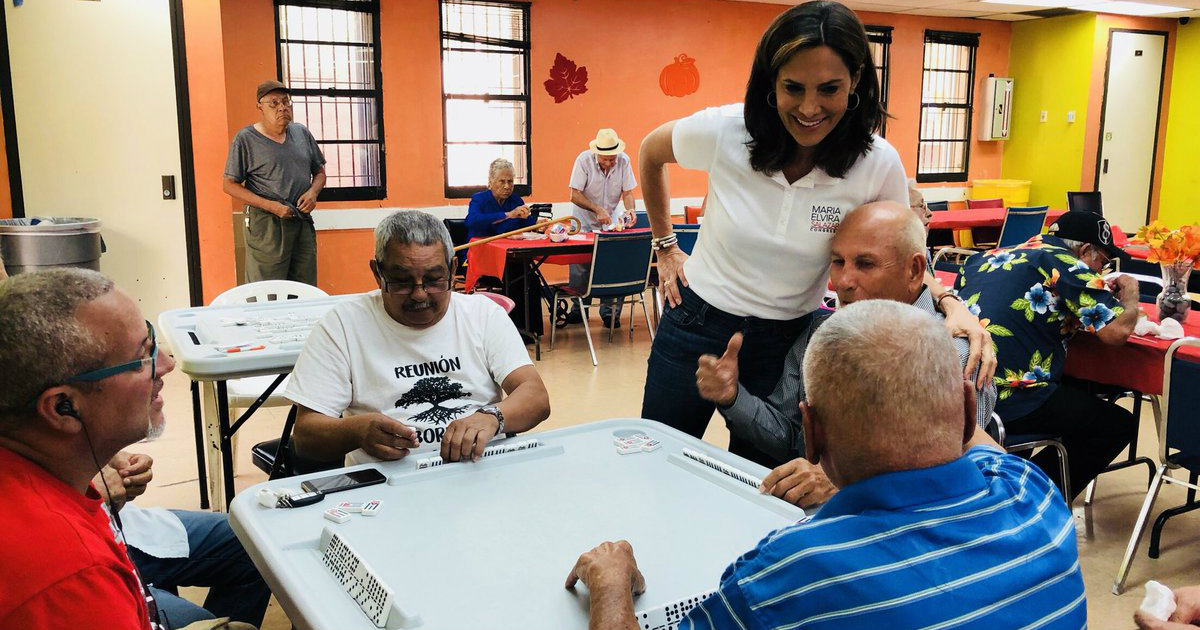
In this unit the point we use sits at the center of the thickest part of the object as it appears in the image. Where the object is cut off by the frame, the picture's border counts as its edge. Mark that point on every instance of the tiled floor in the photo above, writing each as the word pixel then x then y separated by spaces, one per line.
pixel 580 393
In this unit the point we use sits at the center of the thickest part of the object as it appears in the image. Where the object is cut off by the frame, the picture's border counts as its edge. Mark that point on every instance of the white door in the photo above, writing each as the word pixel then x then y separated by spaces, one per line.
pixel 1131 105
pixel 97 129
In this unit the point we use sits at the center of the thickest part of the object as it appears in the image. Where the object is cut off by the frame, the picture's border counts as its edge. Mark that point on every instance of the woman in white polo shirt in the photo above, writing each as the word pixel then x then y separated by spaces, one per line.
pixel 783 169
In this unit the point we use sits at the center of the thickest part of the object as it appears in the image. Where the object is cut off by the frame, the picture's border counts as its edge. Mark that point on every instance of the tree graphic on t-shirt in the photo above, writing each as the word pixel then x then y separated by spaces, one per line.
pixel 434 390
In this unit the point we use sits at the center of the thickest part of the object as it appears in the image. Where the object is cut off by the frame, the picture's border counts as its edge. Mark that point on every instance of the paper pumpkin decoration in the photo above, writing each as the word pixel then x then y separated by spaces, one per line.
pixel 680 77
pixel 566 79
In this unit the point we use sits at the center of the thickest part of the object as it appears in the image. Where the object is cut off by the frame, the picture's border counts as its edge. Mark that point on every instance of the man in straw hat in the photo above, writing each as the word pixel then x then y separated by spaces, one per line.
pixel 601 177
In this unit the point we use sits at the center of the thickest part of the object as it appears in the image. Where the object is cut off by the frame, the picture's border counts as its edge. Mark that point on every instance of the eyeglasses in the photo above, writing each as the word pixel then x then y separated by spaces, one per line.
pixel 133 366
pixel 276 104
pixel 432 287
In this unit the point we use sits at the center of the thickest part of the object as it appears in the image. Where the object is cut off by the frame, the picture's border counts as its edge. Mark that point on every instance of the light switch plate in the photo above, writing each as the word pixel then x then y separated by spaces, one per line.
pixel 1071 117
pixel 1045 115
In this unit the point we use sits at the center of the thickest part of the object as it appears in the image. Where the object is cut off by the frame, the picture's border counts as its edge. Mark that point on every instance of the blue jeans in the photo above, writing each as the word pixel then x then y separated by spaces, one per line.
pixel 694 328
pixel 216 560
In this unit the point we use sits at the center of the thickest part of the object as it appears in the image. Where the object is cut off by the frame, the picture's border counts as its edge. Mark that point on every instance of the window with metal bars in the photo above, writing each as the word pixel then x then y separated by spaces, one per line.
pixel 880 40
pixel 485 93
pixel 947 101
pixel 329 59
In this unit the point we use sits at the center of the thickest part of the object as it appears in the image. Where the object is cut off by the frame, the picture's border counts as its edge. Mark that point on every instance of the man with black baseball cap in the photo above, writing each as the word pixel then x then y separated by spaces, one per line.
pixel 276 168
pixel 1036 296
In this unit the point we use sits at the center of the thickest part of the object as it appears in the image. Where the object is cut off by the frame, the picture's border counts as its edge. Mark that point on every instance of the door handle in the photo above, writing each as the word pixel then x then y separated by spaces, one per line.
pixel 1105 168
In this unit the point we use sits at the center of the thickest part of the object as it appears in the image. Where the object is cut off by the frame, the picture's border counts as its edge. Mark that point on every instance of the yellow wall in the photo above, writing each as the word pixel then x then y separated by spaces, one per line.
pixel 1049 153
pixel 1180 201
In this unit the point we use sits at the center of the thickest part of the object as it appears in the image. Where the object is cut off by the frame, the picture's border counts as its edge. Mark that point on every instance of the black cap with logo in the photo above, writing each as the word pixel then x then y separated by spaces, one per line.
pixel 1087 227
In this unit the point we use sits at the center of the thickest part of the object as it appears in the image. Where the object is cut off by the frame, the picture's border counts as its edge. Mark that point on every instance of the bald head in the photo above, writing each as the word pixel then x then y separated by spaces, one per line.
pixel 878 253
pixel 884 384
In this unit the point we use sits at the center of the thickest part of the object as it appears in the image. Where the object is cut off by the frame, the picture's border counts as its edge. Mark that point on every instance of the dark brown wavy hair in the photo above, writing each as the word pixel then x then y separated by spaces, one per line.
pixel 803 26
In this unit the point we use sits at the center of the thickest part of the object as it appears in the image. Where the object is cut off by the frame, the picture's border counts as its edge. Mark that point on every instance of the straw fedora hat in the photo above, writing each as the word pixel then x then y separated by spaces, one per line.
pixel 607 143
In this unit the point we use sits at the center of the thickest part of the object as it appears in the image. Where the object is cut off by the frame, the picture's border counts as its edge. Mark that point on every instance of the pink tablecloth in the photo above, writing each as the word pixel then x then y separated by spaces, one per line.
pixel 489 259
pixel 985 217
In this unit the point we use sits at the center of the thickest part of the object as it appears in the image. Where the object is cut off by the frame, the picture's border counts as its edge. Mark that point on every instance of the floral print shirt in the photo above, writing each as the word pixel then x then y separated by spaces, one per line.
pixel 1033 298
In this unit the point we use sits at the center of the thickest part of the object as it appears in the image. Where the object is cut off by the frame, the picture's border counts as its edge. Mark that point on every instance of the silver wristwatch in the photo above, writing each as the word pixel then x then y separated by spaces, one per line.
pixel 493 410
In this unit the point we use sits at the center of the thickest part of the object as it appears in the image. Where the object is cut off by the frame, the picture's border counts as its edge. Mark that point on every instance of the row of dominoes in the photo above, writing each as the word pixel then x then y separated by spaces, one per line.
pixel 342 512
pixel 358 580
pixel 723 468
pixel 668 616
pixel 436 460
pixel 640 443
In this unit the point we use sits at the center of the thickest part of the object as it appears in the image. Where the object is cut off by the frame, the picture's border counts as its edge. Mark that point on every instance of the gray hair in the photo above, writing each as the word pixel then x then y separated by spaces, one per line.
pixel 886 380
pixel 1073 245
pixel 497 165
pixel 41 342
pixel 412 227
pixel 909 239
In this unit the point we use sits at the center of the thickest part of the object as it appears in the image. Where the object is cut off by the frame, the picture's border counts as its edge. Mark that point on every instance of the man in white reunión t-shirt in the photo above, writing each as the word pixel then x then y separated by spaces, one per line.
pixel 413 366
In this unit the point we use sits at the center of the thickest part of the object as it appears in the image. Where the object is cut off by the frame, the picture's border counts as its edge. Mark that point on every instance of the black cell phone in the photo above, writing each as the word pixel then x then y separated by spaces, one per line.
pixel 344 481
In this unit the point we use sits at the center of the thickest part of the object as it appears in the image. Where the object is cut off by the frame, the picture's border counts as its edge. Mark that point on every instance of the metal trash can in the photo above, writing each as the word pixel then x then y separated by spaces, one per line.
pixel 44 242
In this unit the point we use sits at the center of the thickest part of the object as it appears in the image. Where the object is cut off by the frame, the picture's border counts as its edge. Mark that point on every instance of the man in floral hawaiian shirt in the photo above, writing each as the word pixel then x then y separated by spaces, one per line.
pixel 1035 296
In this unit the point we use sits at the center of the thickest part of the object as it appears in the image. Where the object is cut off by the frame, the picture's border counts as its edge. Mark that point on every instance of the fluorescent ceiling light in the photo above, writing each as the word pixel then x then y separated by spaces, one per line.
pixel 1032 3
pixel 1127 8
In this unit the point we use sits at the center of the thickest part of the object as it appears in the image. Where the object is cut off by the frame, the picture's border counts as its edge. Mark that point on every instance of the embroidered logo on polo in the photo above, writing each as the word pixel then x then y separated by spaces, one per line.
pixel 825 219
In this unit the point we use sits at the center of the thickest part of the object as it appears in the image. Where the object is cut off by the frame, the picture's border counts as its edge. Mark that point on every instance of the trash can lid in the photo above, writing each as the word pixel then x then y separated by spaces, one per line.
pixel 44 225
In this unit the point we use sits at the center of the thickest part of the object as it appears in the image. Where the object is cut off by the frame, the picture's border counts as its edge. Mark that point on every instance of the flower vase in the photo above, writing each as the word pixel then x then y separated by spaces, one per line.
pixel 1174 301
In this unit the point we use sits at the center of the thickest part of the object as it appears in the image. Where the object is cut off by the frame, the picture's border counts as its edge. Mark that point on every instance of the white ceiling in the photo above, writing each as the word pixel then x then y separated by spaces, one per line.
pixel 982 10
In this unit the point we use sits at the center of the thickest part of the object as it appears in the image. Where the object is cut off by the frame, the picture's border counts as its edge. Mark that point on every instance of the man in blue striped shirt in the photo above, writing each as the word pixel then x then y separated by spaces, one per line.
pixel 920 534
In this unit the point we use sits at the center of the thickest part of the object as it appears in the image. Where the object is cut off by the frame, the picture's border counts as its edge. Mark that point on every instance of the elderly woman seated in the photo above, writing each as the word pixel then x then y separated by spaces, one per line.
pixel 496 210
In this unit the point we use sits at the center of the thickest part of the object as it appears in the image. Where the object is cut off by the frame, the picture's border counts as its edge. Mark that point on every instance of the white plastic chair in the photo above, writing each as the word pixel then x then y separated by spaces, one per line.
pixel 244 391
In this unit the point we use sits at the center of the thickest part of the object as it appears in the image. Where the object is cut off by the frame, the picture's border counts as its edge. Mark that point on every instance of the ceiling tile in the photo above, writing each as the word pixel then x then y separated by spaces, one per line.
pixel 1009 17
pixel 942 12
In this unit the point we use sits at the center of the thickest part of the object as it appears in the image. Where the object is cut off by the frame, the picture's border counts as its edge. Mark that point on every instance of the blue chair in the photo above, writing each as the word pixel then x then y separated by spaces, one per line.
pixel 620 269
pixel 1021 224
pixel 938 206
pixel 1085 202
pixel 1178 447
pixel 642 220
pixel 687 233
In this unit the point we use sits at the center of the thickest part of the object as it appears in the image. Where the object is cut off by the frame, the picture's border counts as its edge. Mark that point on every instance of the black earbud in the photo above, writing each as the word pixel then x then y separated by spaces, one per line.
pixel 67 408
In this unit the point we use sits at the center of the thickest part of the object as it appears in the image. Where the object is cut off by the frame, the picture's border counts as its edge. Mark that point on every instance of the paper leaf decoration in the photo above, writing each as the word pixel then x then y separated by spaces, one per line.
pixel 566 80
pixel 680 78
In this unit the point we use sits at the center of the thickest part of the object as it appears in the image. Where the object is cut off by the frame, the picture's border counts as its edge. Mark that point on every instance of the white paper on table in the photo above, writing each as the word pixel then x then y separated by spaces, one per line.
pixel 1170 329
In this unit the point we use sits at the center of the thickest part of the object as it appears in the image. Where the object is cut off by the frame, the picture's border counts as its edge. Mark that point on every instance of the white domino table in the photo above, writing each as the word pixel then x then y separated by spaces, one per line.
pixel 489 544
pixel 214 344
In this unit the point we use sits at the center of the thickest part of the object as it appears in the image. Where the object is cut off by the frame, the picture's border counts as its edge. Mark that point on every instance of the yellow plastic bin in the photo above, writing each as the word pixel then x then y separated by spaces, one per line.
pixel 1014 192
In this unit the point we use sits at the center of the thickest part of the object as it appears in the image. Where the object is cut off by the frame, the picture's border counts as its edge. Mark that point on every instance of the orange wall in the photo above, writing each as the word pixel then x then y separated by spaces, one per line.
pixel 1091 145
pixel 623 93
pixel 206 91
pixel 904 99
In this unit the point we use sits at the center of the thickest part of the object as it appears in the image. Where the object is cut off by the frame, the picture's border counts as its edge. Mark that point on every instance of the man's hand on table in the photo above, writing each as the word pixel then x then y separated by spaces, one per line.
pixel 385 437
pixel 799 482
pixel 466 437
pixel 610 568
pixel 603 217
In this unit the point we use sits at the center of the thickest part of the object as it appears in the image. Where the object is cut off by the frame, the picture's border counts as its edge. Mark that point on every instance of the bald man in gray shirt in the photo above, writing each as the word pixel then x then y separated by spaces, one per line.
pixel 878 253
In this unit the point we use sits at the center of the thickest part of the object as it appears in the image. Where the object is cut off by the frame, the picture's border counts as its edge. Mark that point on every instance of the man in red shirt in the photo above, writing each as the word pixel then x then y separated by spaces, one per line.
pixel 83 377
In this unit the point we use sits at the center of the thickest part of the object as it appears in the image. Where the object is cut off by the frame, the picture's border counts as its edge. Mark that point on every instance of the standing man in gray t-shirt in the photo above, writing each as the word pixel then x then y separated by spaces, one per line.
pixel 276 168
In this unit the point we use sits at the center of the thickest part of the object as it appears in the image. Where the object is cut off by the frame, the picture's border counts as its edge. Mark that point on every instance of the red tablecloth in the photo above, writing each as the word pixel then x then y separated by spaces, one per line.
pixel 489 259
pixel 1137 365
pixel 984 217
